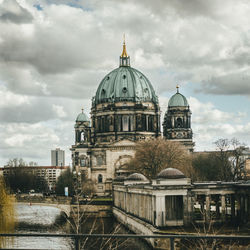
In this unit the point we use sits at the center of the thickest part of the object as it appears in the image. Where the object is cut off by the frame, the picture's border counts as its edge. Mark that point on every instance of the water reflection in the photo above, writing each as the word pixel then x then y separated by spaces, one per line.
pixel 45 219
pixel 36 214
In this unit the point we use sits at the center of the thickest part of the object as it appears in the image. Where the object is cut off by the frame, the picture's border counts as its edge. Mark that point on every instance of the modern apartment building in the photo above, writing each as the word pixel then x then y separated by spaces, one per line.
pixel 57 157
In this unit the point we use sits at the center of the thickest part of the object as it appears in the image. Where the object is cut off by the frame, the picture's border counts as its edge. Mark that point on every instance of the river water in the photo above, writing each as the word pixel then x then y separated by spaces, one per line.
pixel 46 219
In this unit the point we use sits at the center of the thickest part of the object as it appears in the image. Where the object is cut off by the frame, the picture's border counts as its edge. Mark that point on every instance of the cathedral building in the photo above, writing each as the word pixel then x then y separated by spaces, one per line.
pixel 125 110
pixel 177 121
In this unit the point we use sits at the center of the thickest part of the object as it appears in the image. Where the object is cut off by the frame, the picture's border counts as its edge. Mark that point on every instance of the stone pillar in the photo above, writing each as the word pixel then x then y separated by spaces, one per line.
pixel 223 208
pixel 172 122
pixel 238 208
pixel 243 208
pixel 188 205
pixel 248 206
pixel 201 202
pixel 217 206
pixel 208 215
pixel 232 207
pixel 160 211
pixel 185 210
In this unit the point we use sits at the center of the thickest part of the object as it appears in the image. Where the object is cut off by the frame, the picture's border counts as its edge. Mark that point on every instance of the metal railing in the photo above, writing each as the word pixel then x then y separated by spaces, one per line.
pixel 172 238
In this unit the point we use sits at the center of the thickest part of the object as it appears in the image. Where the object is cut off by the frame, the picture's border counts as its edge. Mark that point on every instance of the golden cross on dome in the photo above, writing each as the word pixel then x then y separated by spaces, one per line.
pixel 124 51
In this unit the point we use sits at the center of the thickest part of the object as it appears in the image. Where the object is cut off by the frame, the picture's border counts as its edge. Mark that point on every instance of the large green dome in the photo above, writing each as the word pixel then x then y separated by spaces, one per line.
pixel 178 100
pixel 125 84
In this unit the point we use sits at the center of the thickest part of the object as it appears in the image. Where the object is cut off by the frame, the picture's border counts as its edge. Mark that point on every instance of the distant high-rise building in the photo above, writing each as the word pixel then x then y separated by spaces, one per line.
pixel 57 157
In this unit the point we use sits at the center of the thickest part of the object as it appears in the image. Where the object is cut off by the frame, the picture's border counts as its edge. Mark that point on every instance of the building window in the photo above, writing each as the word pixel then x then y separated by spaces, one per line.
pixel 125 120
pixel 179 123
pixel 150 123
pixel 100 178
pixel 82 136
pixel 83 162
pixel 99 160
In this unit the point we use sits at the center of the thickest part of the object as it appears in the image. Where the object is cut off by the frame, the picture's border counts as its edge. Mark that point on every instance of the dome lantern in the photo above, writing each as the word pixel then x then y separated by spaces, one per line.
pixel 124 58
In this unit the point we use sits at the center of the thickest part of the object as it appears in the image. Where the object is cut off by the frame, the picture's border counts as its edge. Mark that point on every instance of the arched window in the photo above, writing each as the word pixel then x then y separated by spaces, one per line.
pixel 125 120
pixel 82 136
pixel 179 123
pixel 150 123
pixel 99 178
pixel 83 162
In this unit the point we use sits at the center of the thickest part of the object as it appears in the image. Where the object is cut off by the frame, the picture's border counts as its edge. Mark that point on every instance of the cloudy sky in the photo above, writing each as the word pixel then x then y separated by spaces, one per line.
pixel 53 55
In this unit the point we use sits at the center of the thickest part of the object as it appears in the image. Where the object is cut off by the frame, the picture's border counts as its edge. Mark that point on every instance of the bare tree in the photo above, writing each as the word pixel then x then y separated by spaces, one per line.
pixel 154 155
pixel 224 167
pixel 230 162
pixel 237 162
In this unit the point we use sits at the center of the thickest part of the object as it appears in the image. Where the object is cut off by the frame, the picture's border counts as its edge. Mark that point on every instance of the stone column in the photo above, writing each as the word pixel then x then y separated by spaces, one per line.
pixel 188 205
pixel 243 208
pixel 248 206
pixel 232 207
pixel 208 215
pixel 217 206
pixel 172 121
pixel 160 211
pixel 223 208
pixel 185 210
pixel 238 207
pixel 201 202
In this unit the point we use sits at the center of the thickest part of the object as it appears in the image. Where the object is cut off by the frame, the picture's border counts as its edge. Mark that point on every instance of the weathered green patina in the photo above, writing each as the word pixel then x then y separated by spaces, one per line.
pixel 125 84
pixel 178 100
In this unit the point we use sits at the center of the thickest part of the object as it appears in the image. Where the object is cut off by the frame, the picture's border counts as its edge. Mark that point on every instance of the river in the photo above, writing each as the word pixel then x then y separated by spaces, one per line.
pixel 46 219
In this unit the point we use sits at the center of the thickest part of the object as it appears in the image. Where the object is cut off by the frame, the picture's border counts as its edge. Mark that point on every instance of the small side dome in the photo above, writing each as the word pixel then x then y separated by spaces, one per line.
pixel 178 100
pixel 136 177
pixel 170 173
pixel 82 117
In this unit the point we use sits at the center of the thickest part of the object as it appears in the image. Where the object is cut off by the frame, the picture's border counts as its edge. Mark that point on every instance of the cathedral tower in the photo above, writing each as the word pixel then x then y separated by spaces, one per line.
pixel 177 121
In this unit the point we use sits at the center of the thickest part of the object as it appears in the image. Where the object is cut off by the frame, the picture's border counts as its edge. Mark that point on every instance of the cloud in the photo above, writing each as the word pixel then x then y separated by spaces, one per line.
pixel 10 99
pixel 34 141
pixel 11 11
pixel 42 54
pixel 231 84
pixel 59 111
pixel 29 109
pixel 210 124
pixel 53 55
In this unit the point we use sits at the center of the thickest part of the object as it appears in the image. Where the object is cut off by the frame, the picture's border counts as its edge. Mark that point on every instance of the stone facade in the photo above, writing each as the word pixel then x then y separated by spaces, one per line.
pixel 172 200
pixel 124 111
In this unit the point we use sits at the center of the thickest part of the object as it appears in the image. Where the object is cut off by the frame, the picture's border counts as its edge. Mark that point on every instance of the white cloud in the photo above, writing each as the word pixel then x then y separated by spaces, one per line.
pixel 59 111
pixel 8 98
pixel 210 124
pixel 51 62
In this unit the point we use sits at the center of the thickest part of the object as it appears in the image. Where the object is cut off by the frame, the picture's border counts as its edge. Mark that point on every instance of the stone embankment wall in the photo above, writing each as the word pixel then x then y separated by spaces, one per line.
pixel 92 210
pixel 141 227
pixel 66 204
pixel 42 199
